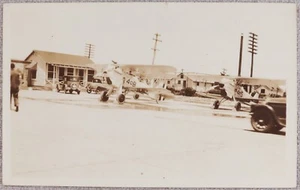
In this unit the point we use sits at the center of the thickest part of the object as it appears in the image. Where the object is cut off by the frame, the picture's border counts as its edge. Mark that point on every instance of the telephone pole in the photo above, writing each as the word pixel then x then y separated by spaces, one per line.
pixel 241 54
pixel 252 49
pixel 89 50
pixel 155 44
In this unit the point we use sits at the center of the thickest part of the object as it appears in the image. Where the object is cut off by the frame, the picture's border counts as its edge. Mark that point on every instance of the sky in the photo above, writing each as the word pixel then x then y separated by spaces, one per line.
pixel 196 37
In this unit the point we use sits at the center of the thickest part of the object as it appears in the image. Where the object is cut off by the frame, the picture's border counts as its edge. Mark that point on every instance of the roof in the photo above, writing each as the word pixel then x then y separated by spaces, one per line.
pixel 19 61
pixel 205 78
pixel 32 65
pixel 61 58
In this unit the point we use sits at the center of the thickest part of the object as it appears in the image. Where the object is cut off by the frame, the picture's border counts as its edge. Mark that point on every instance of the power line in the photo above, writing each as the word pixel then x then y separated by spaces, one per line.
pixel 89 50
pixel 155 49
pixel 252 49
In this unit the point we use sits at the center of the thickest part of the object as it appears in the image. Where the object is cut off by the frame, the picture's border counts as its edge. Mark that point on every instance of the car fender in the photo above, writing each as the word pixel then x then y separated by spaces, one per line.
pixel 266 108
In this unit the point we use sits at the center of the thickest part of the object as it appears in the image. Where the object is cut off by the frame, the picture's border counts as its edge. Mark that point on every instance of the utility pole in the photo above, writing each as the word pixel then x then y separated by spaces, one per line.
pixel 241 54
pixel 252 49
pixel 155 44
pixel 89 50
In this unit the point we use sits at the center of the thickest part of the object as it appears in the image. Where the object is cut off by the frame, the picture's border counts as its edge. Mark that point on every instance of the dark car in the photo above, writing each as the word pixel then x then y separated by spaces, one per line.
pixel 69 84
pixel 94 86
pixel 269 116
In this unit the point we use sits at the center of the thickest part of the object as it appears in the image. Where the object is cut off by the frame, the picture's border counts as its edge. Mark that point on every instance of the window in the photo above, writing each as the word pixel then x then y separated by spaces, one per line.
pixel 263 91
pixel 33 74
pixel 50 71
pixel 168 82
pixel 81 73
pixel 90 75
pixel 179 82
pixel 70 71
pixel 181 76
pixel 198 83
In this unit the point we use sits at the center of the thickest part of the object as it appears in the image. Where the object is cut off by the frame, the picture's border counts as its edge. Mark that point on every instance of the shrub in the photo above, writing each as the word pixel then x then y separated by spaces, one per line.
pixel 189 91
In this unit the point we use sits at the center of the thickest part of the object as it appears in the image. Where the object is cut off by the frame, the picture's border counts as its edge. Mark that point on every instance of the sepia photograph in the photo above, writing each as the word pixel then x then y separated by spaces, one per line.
pixel 150 94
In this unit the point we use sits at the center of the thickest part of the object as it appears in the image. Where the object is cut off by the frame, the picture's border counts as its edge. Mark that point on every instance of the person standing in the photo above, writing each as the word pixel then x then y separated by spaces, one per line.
pixel 14 86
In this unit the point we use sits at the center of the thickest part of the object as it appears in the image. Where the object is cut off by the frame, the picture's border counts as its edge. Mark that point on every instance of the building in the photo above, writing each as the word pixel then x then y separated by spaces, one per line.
pixel 202 82
pixel 270 91
pixel 42 68
pixel 197 81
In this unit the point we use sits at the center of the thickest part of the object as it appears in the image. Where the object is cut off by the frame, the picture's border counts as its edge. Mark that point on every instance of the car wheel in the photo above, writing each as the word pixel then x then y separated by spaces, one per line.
pixel 262 121
pixel 78 92
pixel 71 91
pixel 88 91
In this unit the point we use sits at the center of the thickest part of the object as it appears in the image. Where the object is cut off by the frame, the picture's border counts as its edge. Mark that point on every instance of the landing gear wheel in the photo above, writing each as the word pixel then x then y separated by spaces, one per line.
pixel 216 104
pixel 161 98
pixel 262 121
pixel 238 106
pixel 136 96
pixel 121 98
pixel 103 97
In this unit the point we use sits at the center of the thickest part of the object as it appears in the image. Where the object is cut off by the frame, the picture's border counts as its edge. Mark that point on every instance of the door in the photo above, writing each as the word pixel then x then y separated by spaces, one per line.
pixel 61 73
pixel 184 84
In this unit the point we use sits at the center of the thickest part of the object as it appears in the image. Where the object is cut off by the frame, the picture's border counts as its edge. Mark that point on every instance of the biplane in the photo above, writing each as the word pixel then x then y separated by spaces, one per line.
pixel 147 80
pixel 232 89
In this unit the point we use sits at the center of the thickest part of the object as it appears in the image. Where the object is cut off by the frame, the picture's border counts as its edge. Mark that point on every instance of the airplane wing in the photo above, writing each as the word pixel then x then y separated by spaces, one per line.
pixel 260 81
pixel 160 91
pixel 150 71
pixel 229 86
pixel 97 67
pixel 103 85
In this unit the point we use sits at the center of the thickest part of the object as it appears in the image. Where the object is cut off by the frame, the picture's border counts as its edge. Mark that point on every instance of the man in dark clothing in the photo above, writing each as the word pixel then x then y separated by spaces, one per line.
pixel 14 86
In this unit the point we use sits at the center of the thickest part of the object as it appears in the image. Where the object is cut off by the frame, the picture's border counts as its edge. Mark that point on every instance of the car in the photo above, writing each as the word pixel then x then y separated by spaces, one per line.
pixel 69 84
pixel 94 86
pixel 269 116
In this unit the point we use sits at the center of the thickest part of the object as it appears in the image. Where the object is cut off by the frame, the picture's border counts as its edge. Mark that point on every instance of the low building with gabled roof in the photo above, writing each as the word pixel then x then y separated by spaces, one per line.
pixel 48 68
pixel 197 81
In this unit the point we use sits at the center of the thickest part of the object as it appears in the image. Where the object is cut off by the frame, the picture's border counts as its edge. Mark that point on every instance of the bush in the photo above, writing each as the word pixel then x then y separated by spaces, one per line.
pixel 188 91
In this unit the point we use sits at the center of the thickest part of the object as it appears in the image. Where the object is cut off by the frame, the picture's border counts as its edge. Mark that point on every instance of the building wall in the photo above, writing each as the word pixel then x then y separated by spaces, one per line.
pixel 189 83
pixel 201 86
pixel 179 81
pixel 269 92
pixel 40 71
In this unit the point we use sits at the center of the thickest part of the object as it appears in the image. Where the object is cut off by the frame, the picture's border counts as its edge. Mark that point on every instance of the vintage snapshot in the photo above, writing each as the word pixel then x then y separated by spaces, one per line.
pixel 150 94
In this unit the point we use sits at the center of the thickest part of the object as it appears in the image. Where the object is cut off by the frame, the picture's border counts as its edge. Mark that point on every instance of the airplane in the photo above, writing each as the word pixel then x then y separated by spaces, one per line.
pixel 140 79
pixel 231 89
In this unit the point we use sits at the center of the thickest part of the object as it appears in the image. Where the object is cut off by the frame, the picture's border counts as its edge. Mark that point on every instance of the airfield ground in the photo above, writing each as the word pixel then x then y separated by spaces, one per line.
pixel 64 139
